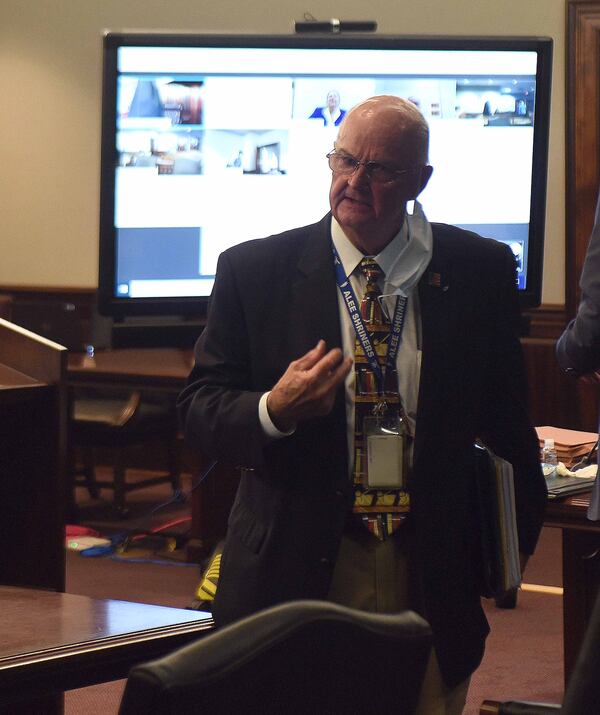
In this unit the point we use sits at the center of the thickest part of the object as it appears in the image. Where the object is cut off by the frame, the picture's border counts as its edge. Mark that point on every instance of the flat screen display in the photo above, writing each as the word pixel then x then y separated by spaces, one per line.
pixel 208 141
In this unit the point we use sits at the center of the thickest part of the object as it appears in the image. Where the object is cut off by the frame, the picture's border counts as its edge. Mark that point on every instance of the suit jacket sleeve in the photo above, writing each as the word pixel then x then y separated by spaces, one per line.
pixel 217 409
pixel 578 349
pixel 504 415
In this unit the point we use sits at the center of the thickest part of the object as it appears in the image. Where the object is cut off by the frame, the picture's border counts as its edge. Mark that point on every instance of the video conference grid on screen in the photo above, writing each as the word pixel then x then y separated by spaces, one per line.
pixel 220 145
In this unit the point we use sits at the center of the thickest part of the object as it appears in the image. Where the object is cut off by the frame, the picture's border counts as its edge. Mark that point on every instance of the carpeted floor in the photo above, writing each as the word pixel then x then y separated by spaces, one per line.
pixel 523 658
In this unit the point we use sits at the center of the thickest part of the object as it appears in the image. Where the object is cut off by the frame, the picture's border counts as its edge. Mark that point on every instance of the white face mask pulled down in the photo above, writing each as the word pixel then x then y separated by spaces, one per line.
pixel 412 260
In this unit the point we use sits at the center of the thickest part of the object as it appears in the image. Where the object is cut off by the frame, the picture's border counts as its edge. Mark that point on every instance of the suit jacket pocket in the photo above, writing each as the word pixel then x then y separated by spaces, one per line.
pixel 244 524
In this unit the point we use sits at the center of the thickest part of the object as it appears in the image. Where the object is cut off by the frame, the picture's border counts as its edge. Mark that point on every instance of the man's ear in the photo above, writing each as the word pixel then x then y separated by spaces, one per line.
pixel 421 180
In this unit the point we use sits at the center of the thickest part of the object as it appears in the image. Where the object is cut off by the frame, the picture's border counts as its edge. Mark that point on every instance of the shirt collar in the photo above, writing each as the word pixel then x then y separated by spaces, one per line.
pixel 350 256
pixel 403 260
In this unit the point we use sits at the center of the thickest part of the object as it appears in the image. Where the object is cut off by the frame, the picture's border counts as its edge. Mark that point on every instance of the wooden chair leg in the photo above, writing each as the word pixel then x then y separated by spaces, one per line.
pixel 173 463
pixel 89 472
pixel 119 481
pixel 71 515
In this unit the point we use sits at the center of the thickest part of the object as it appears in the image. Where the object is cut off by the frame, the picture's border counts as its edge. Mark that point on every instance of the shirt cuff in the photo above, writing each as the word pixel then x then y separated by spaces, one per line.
pixel 267 423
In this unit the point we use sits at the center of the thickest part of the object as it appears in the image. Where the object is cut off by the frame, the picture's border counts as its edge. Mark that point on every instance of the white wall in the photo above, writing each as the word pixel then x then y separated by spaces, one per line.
pixel 50 87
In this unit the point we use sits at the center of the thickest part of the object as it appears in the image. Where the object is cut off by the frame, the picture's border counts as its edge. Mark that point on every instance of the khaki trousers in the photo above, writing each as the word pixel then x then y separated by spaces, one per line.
pixel 371 575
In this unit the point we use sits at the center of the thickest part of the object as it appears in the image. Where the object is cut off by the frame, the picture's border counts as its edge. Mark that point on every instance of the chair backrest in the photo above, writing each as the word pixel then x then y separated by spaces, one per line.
pixel 298 657
pixel 583 690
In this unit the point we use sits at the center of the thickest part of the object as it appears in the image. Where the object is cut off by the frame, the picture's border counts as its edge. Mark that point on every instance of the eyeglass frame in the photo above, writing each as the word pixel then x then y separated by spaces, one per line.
pixel 369 167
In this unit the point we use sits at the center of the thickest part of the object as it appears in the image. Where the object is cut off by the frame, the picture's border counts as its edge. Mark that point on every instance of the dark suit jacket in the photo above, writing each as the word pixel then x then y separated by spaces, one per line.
pixel 578 349
pixel 273 300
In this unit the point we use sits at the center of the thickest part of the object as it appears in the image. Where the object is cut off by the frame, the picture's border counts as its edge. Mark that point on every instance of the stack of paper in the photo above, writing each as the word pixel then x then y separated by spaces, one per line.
pixel 571 445
pixel 561 487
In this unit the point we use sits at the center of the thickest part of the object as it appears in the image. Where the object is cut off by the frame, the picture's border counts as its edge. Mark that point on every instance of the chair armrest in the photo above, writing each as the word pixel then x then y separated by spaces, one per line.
pixel 129 408
pixel 109 412
pixel 517 707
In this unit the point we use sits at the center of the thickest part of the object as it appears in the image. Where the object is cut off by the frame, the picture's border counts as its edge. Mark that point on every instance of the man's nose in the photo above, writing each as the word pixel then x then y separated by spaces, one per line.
pixel 359 178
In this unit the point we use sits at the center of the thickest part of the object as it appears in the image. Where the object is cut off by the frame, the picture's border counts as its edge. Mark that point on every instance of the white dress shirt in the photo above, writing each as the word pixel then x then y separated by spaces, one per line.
pixel 403 262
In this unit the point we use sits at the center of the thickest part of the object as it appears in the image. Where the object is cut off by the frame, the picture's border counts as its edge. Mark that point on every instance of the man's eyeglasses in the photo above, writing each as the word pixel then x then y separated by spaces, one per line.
pixel 345 164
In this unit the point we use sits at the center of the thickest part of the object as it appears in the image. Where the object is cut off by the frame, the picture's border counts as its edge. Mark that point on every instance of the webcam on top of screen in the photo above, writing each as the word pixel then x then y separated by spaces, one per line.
pixel 334 25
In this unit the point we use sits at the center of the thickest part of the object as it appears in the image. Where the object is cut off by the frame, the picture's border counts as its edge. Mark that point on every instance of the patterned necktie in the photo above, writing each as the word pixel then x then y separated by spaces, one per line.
pixel 382 511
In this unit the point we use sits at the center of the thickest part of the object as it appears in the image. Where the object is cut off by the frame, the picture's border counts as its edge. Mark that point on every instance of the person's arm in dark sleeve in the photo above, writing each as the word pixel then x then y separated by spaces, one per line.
pixel 578 348
pixel 218 409
pixel 223 407
pixel 504 417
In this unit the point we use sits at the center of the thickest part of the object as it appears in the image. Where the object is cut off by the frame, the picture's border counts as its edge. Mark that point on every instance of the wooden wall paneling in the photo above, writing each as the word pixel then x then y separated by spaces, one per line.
pixel 554 398
pixel 583 145
pixel 549 396
pixel 583 167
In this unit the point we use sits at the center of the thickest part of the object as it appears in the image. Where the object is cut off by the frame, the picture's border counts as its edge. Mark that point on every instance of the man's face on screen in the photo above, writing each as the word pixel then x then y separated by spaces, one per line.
pixel 333 101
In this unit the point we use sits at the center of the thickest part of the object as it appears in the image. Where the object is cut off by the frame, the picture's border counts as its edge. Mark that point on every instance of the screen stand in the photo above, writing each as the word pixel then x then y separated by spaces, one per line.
pixel 156 332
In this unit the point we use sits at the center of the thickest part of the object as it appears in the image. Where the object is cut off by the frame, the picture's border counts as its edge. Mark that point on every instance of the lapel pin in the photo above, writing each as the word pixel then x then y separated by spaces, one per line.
pixel 435 280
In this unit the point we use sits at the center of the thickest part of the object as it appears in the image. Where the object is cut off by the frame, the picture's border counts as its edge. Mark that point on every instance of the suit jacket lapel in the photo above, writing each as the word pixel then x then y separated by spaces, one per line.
pixel 315 307
pixel 437 324
pixel 314 293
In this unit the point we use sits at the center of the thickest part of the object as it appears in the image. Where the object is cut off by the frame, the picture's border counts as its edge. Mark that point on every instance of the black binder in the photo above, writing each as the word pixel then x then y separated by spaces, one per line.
pixel 498 544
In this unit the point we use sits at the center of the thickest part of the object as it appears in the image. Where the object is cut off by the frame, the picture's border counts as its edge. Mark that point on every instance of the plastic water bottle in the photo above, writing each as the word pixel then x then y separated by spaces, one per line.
pixel 549 458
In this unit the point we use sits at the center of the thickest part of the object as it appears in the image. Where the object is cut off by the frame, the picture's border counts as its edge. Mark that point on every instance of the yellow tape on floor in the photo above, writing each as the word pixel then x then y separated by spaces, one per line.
pixel 537 588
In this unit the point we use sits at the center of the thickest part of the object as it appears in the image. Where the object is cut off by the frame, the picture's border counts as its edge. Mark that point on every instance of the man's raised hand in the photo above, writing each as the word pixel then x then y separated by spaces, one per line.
pixel 308 386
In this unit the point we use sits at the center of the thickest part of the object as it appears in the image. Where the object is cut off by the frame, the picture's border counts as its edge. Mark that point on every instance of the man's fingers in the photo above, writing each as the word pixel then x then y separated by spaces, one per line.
pixel 312 357
pixel 337 368
pixel 308 386
pixel 344 368
pixel 319 364
pixel 332 371
pixel 326 363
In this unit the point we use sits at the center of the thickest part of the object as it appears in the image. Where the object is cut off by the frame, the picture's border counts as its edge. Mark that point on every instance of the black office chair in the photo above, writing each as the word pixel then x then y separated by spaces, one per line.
pixel 582 696
pixel 298 657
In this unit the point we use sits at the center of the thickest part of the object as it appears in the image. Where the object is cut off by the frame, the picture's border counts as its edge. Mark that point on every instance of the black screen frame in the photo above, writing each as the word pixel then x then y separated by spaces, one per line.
pixel 121 308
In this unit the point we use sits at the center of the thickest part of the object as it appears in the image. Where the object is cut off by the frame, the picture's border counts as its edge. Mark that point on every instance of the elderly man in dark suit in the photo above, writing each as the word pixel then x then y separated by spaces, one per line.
pixel 274 390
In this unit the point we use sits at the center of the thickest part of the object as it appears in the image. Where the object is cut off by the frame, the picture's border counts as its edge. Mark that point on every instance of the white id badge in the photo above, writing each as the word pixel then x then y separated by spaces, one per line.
pixel 385 442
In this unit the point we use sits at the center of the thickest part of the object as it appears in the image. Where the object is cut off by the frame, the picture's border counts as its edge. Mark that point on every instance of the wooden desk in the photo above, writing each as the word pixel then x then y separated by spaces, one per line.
pixel 153 368
pixel 581 569
pixel 53 642
pixel 32 459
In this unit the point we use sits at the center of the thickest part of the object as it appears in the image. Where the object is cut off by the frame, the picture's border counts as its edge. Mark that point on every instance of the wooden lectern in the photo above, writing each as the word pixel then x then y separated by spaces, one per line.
pixel 33 452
